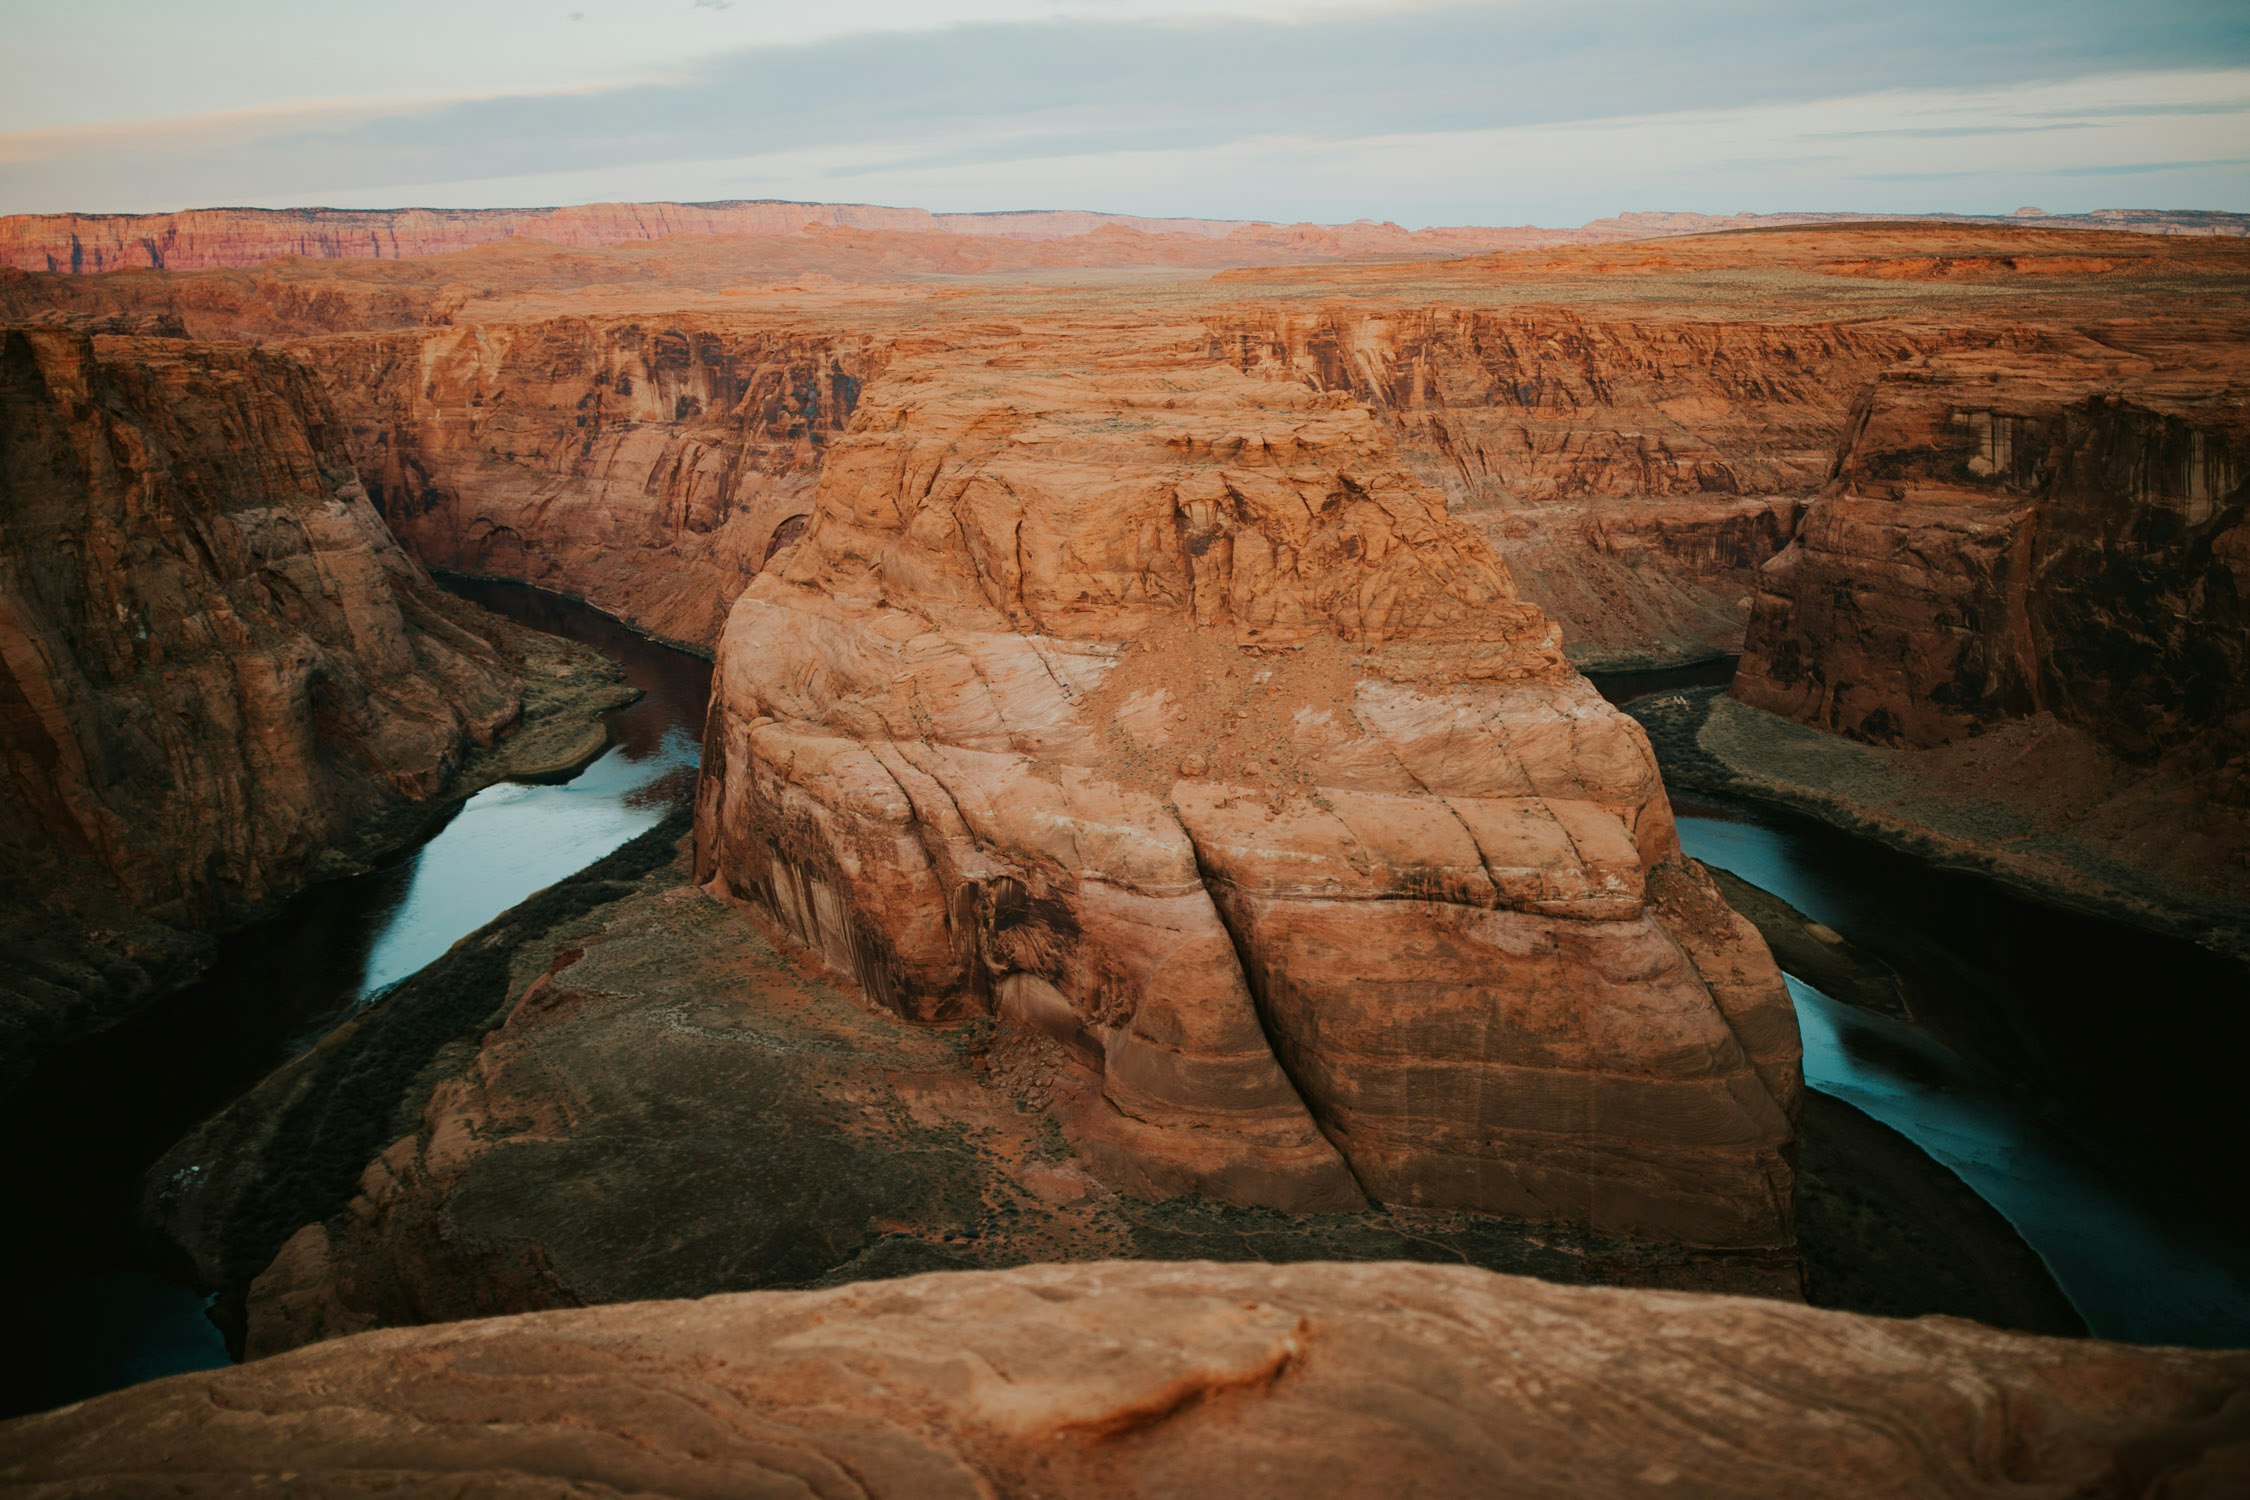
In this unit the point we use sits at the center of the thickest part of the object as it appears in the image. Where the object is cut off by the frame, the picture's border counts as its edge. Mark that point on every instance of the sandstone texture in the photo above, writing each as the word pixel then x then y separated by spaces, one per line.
pixel 649 469
pixel 1137 1379
pixel 1636 472
pixel 2054 528
pixel 222 676
pixel 1160 709
pixel 205 239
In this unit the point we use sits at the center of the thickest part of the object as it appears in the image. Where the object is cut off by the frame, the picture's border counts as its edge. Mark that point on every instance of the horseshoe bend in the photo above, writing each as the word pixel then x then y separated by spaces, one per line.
pixel 767 846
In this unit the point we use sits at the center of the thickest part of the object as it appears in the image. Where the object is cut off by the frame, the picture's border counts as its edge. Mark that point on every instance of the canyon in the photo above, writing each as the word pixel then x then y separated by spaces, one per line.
pixel 224 679
pixel 1150 805
pixel 1160 710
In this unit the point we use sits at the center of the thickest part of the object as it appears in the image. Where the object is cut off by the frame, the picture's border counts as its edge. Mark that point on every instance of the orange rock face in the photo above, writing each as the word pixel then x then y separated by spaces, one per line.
pixel 1636 470
pixel 644 465
pixel 203 239
pixel 1135 1379
pixel 1160 708
pixel 2056 528
pixel 218 665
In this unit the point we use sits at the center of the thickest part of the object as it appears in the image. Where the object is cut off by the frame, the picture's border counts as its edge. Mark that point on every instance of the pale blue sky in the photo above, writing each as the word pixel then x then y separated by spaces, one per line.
pixel 1506 112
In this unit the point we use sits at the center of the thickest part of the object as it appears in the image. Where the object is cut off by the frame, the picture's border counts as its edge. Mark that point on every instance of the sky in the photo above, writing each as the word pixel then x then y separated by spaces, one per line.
pixel 1505 112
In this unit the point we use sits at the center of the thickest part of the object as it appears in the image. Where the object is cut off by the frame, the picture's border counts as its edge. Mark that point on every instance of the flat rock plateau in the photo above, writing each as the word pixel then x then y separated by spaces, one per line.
pixel 1150 810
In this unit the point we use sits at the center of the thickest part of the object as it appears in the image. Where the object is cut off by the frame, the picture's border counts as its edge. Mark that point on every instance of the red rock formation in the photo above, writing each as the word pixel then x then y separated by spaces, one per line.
pixel 206 238
pixel 219 667
pixel 646 465
pixel 2058 528
pixel 1635 471
pixel 1159 708
pixel 1133 1379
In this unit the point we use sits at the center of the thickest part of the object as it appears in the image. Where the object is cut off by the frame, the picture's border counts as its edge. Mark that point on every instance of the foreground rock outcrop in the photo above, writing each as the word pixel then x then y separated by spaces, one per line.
pixel 1159 709
pixel 1135 1379
pixel 222 676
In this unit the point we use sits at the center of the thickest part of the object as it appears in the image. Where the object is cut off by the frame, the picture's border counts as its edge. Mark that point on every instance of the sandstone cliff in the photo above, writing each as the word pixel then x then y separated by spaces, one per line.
pixel 623 1090
pixel 201 239
pixel 1160 709
pixel 222 675
pixel 1636 470
pixel 646 465
pixel 1145 1380
pixel 2052 529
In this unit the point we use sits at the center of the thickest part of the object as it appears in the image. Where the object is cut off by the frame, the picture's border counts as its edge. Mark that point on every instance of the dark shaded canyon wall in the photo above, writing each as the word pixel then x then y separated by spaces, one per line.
pixel 1635 472
pixel 645 465
pixel 219 666
pixel 2000 543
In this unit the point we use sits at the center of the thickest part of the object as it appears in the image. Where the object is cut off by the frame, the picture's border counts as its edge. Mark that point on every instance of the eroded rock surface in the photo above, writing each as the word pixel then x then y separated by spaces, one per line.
pixel 1159 708
pixel 648 466
pixel 1135 1379
pixel 1636 470
pixel 2056 529
pixel 222 676
pixel 2030 580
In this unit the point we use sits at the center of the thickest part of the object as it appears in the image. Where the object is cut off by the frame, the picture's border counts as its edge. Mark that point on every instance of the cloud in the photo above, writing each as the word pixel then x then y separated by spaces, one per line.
pixel 1081 105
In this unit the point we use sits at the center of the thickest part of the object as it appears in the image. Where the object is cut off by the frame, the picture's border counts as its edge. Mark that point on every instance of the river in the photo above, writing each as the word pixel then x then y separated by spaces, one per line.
pixel 2081 1076
pixel 93 1303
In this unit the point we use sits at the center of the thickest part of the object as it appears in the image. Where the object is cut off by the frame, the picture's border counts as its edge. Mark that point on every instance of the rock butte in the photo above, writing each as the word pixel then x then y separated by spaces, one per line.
pixel 1134 1379
pixel 1160 708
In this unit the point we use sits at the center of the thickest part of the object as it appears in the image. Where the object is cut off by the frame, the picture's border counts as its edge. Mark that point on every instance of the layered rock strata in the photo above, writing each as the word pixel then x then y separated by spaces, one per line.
pixel 1634 471
pixel 222 676
pixel 622 1091
pixel 1158 708
pixel 651 467
pixel 1137 1379
pixel 2058 531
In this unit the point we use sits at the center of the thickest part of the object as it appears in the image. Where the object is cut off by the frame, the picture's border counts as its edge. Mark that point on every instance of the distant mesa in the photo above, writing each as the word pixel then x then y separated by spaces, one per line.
pixel 215 238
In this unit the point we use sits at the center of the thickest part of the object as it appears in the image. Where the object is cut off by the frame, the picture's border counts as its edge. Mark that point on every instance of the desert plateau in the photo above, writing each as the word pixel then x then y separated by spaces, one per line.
pixel 765 845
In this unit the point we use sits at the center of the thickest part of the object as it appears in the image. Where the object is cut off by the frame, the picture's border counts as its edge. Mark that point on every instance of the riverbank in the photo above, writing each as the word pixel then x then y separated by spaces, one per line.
pixel 2026 807
pixel 624 1090
pixel 455 579
pixel 95 1301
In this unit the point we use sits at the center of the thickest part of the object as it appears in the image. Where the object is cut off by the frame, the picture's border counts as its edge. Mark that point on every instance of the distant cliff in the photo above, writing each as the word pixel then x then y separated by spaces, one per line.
pixel 209 238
